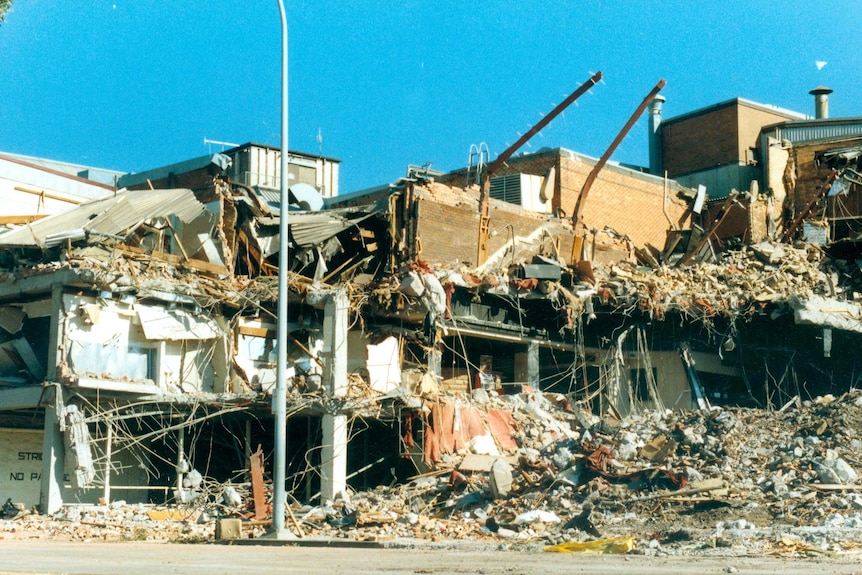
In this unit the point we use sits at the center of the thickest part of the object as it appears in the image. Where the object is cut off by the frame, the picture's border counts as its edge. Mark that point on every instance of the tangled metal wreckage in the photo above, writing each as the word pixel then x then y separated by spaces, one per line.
pixel 139 331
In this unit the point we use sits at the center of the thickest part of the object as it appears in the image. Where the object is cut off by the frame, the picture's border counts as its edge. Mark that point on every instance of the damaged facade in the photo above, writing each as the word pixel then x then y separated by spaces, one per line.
pixel 138 329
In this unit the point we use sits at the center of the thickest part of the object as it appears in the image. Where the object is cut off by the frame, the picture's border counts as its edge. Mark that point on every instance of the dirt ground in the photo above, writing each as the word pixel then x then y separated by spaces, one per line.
pixel 164 558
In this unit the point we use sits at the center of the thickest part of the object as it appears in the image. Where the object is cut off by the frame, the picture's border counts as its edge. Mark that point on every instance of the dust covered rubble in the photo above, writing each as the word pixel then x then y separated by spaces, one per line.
pixel 109 523
pixel 752 276
pixel 725 481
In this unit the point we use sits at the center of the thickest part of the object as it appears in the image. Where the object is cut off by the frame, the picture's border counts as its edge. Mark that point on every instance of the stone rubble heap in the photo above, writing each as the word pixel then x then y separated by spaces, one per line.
pixel 731 479
pixel 723 481
pixel 115 522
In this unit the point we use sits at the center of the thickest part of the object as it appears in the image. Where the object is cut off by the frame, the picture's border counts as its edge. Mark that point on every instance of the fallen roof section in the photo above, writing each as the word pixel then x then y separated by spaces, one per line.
pixel 106 217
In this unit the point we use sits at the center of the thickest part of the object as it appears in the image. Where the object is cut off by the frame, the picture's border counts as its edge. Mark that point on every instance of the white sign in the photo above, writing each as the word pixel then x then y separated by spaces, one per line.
pixel 20 466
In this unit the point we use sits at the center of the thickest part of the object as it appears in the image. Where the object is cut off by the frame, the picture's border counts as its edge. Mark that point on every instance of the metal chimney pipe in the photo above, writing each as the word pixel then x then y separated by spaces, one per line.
pixel 821 102
pixel 654 135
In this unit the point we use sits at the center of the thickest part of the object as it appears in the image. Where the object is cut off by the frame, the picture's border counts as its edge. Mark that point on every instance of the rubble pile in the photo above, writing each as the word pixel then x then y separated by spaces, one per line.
pixel 752 276
pixel 114 522
pixel 724 480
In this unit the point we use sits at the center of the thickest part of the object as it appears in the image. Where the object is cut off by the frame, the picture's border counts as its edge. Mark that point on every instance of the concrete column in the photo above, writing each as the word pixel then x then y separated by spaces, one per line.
pixel 333 468
pixel 53 448
pixel 333 472
pixel 53 454
pixel 109 450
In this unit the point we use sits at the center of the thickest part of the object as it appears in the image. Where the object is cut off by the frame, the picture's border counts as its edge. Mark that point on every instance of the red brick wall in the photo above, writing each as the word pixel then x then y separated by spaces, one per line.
pixel 631 205
pixel 536 164
pixel 700 142
pixel 715 137
pixel 448 226
pixel 751 122
pixel 737 223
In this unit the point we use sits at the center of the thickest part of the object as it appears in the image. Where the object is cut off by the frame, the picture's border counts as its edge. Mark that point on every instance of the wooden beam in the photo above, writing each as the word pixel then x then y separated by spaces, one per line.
pixel 50 196
pixel 257 491
pixel 725 210
pixel 6 220
pixel 199 265
pixel 256 331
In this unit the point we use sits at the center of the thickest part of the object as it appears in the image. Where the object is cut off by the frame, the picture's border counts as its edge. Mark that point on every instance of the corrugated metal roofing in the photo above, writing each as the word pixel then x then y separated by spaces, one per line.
pixel 312 228
pixel 811 131
pixel 113 215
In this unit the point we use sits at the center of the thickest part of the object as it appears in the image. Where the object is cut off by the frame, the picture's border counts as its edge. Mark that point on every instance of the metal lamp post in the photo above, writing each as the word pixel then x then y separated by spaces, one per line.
pixel 280 395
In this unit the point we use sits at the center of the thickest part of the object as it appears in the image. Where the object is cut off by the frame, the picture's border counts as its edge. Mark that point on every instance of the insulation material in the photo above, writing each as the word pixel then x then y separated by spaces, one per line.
pixel 469 426
pixel 443 416
pixel 431 447
pixel 503 428
pixel 384 365
pixel 451 428
pixel 176 324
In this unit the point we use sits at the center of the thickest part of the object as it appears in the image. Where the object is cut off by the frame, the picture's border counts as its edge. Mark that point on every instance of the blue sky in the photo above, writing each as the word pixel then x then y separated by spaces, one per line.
pixel 132 85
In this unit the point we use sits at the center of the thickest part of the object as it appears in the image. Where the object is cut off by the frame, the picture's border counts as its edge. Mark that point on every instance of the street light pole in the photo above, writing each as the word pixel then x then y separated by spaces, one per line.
pixel 280 395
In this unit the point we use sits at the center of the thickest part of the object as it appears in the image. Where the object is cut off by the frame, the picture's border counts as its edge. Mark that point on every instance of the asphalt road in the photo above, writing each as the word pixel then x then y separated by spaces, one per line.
pixel 163 558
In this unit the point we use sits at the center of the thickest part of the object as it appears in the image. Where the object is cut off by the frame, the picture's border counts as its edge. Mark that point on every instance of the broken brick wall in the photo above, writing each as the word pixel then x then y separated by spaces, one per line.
pixel 805 178
pixel 746 220
pixel 448 224
pixel 631 204
pixel 537 164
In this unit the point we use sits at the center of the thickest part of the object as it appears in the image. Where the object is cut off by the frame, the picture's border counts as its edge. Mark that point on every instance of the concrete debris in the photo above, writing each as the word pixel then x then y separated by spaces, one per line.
pixel 751 481
pixel 115 522
pixel 501 479
pixel 752 276
pixel 748 478
pixel 728 481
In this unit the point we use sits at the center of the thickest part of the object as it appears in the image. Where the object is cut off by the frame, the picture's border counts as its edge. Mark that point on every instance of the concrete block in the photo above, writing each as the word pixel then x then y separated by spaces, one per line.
pixel 228 529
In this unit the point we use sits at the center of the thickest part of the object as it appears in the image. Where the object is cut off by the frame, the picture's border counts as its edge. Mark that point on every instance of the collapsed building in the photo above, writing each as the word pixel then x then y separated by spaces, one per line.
pixel 138 329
